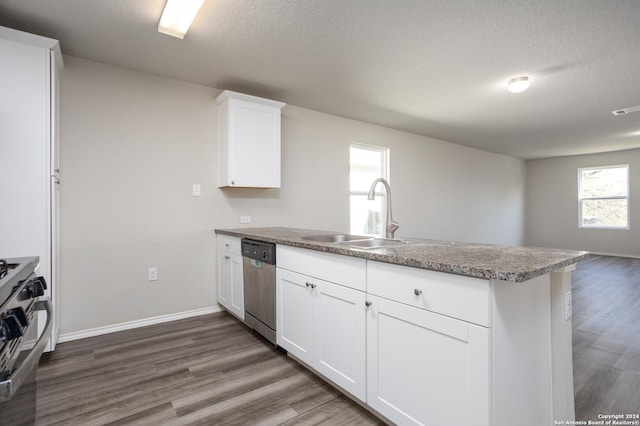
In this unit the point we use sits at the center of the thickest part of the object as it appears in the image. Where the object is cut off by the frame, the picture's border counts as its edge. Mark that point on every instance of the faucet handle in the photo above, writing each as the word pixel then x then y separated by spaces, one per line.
pixel 392 227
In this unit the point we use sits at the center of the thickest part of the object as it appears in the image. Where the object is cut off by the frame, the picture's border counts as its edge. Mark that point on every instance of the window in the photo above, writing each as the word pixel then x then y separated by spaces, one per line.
pixel 367 164
pixel 603 197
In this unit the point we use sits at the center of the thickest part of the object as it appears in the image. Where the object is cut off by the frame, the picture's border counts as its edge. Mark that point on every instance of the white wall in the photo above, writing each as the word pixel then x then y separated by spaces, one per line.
pixel 133 143
pixel 552 205
pixel 131 146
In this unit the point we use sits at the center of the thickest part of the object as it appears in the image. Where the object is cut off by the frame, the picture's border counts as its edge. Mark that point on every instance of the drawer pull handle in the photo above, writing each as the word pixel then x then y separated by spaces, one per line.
pixel 417 292
pixel 312 285
pixel 367 303
pixel 227 257
pixel 228 245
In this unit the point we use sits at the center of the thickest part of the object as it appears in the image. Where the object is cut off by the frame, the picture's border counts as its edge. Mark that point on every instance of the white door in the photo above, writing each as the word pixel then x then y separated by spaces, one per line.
pixel 254 144
pixel 236 304
pixel 54 202
pixel 339 336
pixel 224 280
pixel 294 314
pixel 425 368
pixel 25 160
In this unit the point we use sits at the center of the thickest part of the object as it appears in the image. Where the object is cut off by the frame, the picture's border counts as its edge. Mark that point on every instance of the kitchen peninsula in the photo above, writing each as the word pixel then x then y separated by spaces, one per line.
pixel 426 331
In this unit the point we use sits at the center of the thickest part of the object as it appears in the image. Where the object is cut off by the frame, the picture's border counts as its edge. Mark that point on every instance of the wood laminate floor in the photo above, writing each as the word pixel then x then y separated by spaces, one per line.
pixel 211 370
pixel 606 336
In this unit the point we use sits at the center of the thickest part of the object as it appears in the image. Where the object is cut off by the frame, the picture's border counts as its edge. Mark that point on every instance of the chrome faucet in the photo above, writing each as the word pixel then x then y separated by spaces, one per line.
pixel 392 226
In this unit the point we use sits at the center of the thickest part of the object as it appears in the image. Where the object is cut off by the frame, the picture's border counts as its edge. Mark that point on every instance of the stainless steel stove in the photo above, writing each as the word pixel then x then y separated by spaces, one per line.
pixel 21 296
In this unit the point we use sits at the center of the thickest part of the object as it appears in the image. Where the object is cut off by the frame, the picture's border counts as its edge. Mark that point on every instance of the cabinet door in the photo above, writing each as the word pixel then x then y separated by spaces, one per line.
pixel 339 336
pixel 236 304
pixel 28 134
pixel 294 314
pixel 425 368
pixel 254 144
pixel 224 280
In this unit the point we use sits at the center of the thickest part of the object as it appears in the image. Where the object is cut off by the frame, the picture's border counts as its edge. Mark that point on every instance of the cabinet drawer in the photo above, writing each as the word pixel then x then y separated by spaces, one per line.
pixel 229 244
pixel 348 271
pixel 465 298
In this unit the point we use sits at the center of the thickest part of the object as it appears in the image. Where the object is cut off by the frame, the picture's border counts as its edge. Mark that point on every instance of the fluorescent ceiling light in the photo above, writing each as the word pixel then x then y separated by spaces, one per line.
pixel 178 16
pixel 624 111
pixel 518 84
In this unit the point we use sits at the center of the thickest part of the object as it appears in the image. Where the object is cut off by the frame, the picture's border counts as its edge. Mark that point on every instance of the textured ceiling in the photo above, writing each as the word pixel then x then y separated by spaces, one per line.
pixel 431 67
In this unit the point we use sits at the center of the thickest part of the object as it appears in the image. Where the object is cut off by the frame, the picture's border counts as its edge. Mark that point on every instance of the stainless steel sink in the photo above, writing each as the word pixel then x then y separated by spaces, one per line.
pixel 354 241
pixel 373 243
pixel 333 238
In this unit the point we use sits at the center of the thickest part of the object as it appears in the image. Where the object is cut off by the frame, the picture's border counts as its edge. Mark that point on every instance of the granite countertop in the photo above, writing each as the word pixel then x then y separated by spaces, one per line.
pixel 487 261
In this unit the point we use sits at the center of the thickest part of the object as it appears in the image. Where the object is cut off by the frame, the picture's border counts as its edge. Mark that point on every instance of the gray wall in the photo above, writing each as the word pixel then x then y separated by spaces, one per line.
pixel 134 143
pixel 552 205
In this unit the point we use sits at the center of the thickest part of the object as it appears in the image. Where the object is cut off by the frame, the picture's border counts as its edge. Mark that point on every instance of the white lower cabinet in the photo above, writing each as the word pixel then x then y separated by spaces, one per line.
pixel 323 325
pixel 425 368
pixel 339 344
pixel 294 314
pixel 230 279
pixel 419 347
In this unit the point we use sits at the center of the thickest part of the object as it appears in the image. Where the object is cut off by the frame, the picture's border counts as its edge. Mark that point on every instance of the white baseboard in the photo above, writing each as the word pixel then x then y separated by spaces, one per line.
pixel 68 337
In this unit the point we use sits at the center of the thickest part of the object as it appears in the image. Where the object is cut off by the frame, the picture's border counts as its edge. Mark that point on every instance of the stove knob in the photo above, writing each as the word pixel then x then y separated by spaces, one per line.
pixel 42 282
pixel 4 332
pixel 20 315
pixel 38 288
pixel 12 326
pixel 33 289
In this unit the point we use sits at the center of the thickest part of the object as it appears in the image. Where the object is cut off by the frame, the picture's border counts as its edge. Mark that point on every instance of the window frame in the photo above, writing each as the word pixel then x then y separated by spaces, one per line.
pixel 581 198
pixel 385 173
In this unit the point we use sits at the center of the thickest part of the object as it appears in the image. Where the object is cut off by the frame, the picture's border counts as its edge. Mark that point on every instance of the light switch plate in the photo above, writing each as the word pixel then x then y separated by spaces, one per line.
pixel 245 219
pixel 195 191
pixel 153 274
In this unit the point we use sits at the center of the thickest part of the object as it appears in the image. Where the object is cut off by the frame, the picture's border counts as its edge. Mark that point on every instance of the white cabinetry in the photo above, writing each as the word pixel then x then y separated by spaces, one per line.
pixel 248 141
pixel 445 349
pixel 425 365
pixel 425 368
pixel 29 175
pixel 294 314
pixel 322 323
pixel 230 279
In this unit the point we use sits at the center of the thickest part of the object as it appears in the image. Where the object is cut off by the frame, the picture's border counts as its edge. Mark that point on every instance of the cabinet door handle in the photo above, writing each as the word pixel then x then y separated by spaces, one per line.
pixel 367 303
pixel 227 257
pixel 56 180
pixel 312 285
pixel 417 292
pixel 308 284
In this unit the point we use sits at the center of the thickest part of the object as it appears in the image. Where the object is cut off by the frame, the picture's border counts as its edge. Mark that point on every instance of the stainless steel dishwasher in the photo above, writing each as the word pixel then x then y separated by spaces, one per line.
pixel 259 266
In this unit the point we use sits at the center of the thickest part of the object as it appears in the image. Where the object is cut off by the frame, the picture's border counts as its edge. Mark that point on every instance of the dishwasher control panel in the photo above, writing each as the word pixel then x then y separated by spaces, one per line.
pixel 259 250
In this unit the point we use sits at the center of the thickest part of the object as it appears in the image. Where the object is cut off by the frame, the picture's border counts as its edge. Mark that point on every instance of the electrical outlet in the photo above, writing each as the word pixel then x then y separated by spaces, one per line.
pixel 153 273
pixel 568 306
pixel 195 190
pixel 245 219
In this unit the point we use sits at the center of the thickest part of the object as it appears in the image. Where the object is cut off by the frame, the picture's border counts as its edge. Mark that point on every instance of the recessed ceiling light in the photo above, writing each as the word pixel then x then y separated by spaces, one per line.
pixel 518 84
pixel 178 16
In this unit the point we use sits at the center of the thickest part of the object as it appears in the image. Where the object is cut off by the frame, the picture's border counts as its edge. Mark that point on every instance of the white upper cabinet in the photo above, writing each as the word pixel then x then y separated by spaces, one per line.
pixel 248 141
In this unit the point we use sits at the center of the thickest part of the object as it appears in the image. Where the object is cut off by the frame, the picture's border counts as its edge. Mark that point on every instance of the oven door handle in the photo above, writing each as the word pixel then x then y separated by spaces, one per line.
pixel 11 385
